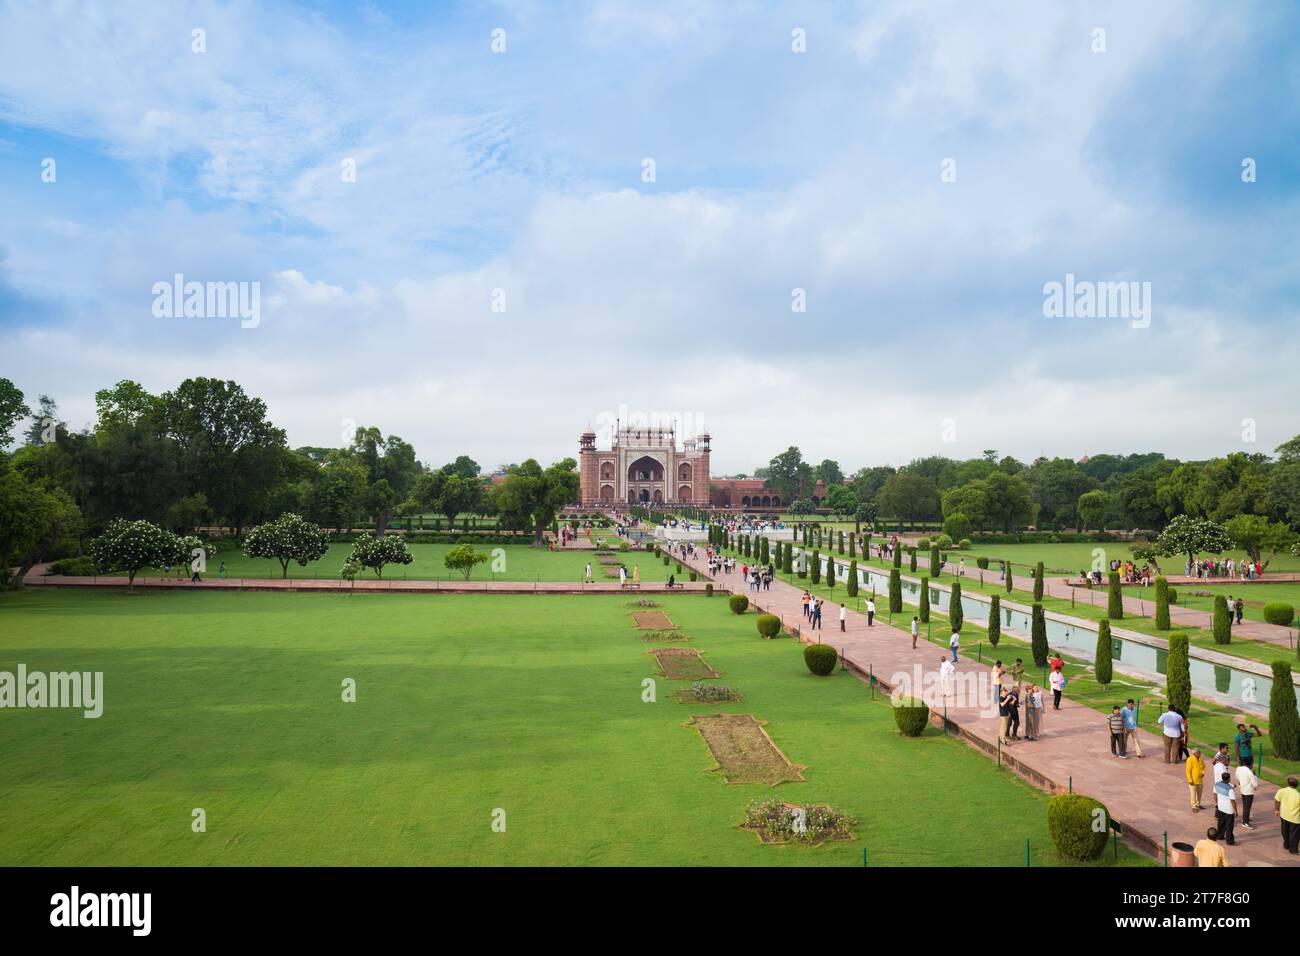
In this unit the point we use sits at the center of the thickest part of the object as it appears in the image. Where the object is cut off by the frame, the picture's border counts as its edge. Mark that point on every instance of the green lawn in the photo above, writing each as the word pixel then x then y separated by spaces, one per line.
pixel 521 563
pixel 230 702
pixel 1072 558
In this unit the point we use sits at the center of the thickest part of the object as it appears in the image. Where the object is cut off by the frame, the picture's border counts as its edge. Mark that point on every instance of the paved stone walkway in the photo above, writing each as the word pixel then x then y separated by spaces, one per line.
pixel 1147 796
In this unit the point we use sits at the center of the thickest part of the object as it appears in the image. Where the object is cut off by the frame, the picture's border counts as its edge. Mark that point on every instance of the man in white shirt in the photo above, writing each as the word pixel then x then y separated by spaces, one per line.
pixel 1225 807
pixel 1247 783
pixel 844 615
pixel 871 612
pixel 1171 723
pixel 916 629
pixel 954 642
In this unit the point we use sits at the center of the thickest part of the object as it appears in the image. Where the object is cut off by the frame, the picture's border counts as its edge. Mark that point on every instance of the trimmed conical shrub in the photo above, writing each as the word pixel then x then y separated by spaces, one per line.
pixel 1178 673
pixel 955 614
pixel 1038 581
pixel 1283 722
pixel 911 560
pixel 895 591
pixel 1008 577
pixel 1038 636
pixel 853 545
pixel 934 561
pixel 816 567
pixel 924 613
pixel 898 557
pixel 787 557
pixel 1222 621
pixel 851 584
pixel 830 572
pixel 841 542
pixel 1102 661
pixel 1162 604
pixel 763 557
pixel 1114 597
pixel 995 620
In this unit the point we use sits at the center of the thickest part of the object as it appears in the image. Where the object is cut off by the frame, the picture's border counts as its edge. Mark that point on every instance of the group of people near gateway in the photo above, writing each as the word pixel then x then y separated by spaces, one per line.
pixel 1214 568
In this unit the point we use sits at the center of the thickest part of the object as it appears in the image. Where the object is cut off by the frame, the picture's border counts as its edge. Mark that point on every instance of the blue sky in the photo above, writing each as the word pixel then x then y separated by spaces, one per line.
pixel 775 170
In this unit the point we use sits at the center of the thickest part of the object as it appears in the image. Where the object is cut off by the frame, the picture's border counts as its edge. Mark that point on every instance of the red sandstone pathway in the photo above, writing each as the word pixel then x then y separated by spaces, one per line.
pixel 1147 796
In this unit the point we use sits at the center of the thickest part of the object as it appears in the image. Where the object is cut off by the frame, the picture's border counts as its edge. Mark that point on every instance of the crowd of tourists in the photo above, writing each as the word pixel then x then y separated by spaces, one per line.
pixel 1204 568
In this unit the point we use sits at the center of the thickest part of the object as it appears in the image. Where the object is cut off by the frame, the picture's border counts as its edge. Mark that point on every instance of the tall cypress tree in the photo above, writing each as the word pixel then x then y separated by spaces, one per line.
pixel 787 556
pixel 1038 581
pixel 1222 621
pixel 1178 674
pixel 1114 597
pixel 895 591
pixel 911 560
pixel 1162 604
pixel 763 559
pixel 935 570
pixel 830 571
pixel 898 557
pixel 1102 657
pixel 1008 566
pixel 1038 636
pixel 851 585
pixel 853 545
pixel 1283 723
pixel 995 620
pixel 955 614
pixel 924 613
pixel 816 567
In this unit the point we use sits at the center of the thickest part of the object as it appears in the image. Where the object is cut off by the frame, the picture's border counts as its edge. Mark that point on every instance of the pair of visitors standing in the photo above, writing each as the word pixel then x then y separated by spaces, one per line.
pixel 1033 712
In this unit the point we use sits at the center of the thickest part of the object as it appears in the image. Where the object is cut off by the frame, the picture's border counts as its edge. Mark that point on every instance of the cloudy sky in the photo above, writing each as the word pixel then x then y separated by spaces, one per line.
pixel 504 271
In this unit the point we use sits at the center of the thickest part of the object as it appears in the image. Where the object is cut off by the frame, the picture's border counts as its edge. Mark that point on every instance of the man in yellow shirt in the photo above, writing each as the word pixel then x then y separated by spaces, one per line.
pixel 1208 852
pixel 1287 805
pixel 1196 776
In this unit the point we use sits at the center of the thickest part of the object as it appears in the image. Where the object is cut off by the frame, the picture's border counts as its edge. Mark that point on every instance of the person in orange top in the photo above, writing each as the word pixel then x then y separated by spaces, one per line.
pixel 1196 777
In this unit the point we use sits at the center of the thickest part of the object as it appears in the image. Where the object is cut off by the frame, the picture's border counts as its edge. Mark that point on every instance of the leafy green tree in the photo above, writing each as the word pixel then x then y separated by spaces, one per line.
pixel 957 526
pixel 287 538
pixel 1178 674
pixel 1255 534
pixel 956 615
pixel 1038 636
pixel 1092 508
pixel 529 497
pixel 463 558
pixel 866 513
pixel 790 476
pixel 338 493
pixel 1008 500
pixel 802 506
pixel 1283 722
pixel 910 496
pixel 1102 660
pixel 995 620
pixel 829 473
pixel 840 499
pixel 13 409
pixel 376 553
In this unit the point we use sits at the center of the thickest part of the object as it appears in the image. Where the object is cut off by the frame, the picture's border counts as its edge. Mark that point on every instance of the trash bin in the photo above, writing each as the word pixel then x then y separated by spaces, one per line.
pixel 1181 854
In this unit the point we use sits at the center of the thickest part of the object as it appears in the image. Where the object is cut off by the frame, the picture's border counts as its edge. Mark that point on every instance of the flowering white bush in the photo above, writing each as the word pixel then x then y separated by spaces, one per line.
pixel 287 538
pixel 374 553
pixel 128 546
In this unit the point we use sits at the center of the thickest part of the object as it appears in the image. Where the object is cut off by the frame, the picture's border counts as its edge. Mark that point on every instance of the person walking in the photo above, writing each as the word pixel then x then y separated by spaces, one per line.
pixel 221 571
pixel 1247 784
pixel 1129 712
pixel 946 670
pixel 1115 725
pixel 622 576
pixel 636 574
pixel 1057 682
pixel 587 578
pixel 916 630
pixel 807 611
pixel 954 642
pixel 1225 808
pixel 871 612
pixel 1208 852
pixel 1286 804
pixel 844 616
pixel 1171 724
pixel 1241 609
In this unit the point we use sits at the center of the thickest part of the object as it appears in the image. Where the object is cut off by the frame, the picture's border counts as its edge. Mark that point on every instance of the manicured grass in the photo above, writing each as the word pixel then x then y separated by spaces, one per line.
pixel 1255 597
pixel 520 563
pixel 532 704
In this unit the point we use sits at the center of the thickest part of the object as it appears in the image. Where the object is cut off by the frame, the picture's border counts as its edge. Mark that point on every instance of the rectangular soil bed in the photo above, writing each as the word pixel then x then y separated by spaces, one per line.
pixel 743 750
pixel 653 620
pixel 682 663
